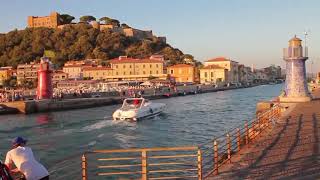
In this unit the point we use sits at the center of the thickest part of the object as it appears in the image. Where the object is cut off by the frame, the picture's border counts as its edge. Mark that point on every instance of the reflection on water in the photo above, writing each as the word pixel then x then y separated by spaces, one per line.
pixel 59 138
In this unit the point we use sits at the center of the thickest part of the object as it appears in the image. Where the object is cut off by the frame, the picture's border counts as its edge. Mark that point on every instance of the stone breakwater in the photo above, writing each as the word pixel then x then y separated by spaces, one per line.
pixel 34 106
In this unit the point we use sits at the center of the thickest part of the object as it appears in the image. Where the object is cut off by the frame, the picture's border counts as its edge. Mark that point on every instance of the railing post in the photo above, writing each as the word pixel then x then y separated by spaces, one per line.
pixel 229 147
pixel 199 164
pixel 84 167
pixel 216 158
pixel 144 165
pixel 238 140
pixel 247 132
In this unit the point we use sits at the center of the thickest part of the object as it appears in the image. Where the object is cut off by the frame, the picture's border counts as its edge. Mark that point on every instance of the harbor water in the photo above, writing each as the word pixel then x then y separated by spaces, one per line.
pixel 58 139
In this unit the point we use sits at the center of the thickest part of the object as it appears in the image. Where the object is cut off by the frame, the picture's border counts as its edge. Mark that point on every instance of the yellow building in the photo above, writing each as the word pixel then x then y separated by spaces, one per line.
pixel 97 73
pixel 74 71
pixel 125 68
pixel 28 72
pixel 183 73
pixel 5 73
pixel 213 74
pixel 231 66
pixel 59 76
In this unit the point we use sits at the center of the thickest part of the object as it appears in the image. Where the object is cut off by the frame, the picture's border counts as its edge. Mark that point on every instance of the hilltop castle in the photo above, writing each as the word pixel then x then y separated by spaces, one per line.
pixel 54 21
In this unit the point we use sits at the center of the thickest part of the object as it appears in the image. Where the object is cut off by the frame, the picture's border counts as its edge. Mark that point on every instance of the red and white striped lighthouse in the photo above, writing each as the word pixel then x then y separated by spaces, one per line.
pixel 44 89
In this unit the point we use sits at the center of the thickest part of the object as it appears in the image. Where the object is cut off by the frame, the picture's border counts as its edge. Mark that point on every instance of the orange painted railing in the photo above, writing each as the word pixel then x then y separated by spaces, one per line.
pixel 144 163
pixel 219 151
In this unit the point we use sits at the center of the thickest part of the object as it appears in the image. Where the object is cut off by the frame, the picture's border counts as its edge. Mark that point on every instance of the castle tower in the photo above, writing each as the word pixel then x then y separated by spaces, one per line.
pixel 44 89
pixel 296 89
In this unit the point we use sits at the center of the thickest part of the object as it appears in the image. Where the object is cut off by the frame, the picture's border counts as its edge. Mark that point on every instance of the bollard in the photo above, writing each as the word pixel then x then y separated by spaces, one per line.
pixel 199 165
pixel 229 148
pixel 84 167
pixel 238 140
pixel 215 152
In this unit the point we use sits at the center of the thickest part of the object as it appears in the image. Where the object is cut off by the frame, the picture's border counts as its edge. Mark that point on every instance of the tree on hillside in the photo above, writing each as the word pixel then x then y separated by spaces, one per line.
pixel 87 18
pixel 66 18
pixel 105 19
pixel 115 22
pixel 187 56
pixel 124 25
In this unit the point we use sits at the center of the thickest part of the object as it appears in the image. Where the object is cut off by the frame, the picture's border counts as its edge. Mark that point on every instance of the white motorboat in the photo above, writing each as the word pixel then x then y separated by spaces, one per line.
pixel 137 108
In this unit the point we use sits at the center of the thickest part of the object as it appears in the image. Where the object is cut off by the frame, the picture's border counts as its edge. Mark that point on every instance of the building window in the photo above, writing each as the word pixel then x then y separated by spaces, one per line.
pixel 157 65
pixel 211 74
pixel 116 73
pixel 150 65
pixel 116 66
pixel 144 66
pixel 144 72
pixel 124 73
pixel 171 72
pixel 130 66
pixel 205 74
pixel 157 72
pixel 124 66
pixel 150 72
pixel 130 72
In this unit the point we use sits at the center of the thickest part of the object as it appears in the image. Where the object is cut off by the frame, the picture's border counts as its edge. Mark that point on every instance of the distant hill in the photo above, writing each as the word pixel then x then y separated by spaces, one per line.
pixel 78 42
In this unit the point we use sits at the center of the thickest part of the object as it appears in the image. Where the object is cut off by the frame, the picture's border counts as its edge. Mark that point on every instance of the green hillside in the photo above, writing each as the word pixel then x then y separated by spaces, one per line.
pixel 77 42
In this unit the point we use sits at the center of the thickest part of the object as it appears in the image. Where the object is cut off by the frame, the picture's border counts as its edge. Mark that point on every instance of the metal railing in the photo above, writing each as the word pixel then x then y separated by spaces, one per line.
pixel 144 163
pixel 191 162
pixel 219 151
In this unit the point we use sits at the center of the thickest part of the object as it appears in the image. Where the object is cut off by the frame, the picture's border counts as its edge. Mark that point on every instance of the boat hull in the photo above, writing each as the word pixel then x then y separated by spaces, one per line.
pixel 151 110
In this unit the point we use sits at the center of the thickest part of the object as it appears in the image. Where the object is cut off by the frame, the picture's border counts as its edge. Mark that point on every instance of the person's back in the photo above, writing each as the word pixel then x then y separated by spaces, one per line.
pixel 25 162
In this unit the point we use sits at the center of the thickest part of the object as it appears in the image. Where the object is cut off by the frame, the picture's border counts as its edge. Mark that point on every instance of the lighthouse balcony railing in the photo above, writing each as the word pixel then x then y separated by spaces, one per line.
pixel 295 52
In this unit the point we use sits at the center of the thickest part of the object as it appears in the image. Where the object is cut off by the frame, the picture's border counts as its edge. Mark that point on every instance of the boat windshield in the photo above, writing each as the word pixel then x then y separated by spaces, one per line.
pixel 132 103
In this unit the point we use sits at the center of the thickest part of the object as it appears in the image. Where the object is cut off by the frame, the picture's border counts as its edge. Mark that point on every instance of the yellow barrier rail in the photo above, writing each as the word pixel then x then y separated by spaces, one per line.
pixel 144 163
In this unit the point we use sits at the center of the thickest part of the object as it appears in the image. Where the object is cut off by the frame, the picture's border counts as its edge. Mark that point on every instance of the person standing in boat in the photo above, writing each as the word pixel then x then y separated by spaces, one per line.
pixel 22 157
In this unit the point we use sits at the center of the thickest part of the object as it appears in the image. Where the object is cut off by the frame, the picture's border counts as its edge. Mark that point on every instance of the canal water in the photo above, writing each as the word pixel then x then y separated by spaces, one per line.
pixel 59 138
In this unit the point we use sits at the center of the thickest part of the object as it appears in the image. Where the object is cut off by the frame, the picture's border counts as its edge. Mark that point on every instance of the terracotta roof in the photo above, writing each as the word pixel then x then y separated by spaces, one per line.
pixel 79 65
pixel 96 68
pixel 212 67
pixel 219 59
pixel 132 60
pixel 180 65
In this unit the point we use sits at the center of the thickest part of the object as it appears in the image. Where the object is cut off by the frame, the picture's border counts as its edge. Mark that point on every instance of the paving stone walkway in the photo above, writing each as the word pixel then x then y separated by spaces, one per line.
pixel 290 150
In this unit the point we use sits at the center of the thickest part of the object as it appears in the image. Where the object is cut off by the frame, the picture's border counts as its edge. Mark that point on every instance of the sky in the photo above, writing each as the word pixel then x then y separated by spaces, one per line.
pixel 252 32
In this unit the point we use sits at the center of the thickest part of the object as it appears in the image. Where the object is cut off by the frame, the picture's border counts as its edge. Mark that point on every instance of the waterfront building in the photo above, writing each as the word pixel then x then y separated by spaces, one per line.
pixel 74 69
pixel 59 75
pixel 125 68
pixel 97 73
pixel 27 72
pixel 261 75
pixel 51 21
pixel 273 72
pixel 183 73
pixel 230 65
pixel 76 84
pixel 5 73
pixel 296 89
pixel 213 74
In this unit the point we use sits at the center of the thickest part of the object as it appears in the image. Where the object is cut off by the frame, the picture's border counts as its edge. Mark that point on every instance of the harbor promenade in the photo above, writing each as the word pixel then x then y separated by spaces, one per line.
pixel 290 149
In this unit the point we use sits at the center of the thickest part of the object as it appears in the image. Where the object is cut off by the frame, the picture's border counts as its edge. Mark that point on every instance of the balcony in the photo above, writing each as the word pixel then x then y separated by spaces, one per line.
pixel 295 52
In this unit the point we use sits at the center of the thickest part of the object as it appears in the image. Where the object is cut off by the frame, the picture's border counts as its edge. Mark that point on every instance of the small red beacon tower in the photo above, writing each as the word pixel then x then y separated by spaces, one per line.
pixel 44 90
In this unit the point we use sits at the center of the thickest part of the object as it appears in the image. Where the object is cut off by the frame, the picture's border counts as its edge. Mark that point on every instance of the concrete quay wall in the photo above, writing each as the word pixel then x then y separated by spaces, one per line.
pixel 35 106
